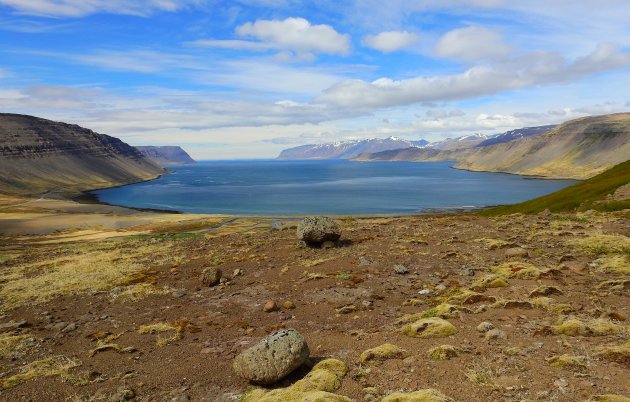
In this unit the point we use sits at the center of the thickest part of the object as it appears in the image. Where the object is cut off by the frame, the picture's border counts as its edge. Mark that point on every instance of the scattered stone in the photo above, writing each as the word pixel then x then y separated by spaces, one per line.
pixel 516 252
pixel 237 272
pixel 273 358
pixel 10 326
pixel 317 230
pixel 178 293
pixel 70 327
pixel 485 327
pixel 545 291
pixel 383 352
pixel 425 292
pixel 351 308
pixel 495 334
pixel 467 272
pixel 211 276
pixel 432 327
pixel 288 305
pixel 401 269
pixel 270 306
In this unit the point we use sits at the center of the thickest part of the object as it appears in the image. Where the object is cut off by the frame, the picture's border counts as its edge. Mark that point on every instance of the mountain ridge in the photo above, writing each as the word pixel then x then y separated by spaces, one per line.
pixel 347 149
pixel 39 155
pixel 166 155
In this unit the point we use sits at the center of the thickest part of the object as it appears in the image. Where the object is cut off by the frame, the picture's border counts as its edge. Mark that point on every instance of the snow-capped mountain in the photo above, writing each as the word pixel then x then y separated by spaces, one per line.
pixel 515 135
pixel 348 149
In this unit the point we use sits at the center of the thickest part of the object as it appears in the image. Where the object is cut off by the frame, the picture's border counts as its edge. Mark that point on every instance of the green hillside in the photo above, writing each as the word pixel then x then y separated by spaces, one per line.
pixel 581 196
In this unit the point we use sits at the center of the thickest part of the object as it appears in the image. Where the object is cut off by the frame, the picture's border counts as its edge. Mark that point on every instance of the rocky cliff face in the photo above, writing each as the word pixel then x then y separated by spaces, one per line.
pixel 577 149
pixel 166 155
pixel 39 155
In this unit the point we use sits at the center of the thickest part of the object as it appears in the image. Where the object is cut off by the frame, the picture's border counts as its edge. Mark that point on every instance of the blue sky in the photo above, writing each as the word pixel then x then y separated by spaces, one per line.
pixel 245 79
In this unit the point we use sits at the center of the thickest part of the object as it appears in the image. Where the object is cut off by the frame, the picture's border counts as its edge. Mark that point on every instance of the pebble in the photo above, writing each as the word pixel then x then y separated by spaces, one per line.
pixel 496 334
pixel 485 326
pixel 270 306
pixel 401 269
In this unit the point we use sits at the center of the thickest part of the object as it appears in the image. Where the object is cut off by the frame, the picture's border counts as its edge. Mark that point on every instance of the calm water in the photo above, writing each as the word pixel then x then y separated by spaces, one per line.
pixel 274 187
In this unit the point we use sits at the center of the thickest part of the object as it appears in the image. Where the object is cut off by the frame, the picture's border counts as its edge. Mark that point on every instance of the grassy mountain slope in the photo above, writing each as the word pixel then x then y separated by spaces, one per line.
pixel 577 149
pixel 589 194
pixel 38 155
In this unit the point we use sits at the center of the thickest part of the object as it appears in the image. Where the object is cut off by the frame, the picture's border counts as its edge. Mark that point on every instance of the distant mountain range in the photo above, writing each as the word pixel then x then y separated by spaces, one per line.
pixel 166 155
pixel 38 155
pixel 348 149
pixel 577 149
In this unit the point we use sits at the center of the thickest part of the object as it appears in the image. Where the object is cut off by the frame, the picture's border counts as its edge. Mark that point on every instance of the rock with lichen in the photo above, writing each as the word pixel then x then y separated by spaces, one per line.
pixel 383 352
pixel 433 327
pixel 317 230
pixel 273 358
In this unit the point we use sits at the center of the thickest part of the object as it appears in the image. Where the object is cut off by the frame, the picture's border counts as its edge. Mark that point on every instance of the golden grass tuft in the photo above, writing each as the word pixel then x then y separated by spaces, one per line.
pixel 613 264
pixel 493 244
pixel 55 366
pixel 318 385
pixel 567 361
pixel 599 243
pixel 10 343
pixel 433 327
pixel 490 281
pixel 517 270
pixel 383 352
pixel 443 352
pixel 140 291
pixel 577 327
pixel 619 353
pixel 423 395
pixel 176 329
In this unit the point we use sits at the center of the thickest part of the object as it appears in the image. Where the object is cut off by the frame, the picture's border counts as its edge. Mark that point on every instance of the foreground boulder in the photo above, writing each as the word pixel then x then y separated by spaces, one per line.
pixel 273 358
pixel 317 230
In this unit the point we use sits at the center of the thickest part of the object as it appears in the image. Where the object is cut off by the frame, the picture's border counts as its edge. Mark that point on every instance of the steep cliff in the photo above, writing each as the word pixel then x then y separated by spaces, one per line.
pixel 39 155
pixel 166 155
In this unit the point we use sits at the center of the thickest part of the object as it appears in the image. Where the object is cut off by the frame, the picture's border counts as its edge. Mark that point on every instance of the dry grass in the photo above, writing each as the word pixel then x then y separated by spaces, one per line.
pixel 598 243
pixel 176 330
pixel 140 291
pixel 10 343
pixel 519 270
pixel 55 366
pixel 614 264
pixel 79 269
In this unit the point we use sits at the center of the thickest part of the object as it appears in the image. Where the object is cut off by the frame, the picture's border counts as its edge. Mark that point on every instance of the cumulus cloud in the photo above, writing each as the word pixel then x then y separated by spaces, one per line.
pixel 390 41
pixel 81 8
pixel 471 44
pixel 296 35
pixel 530 70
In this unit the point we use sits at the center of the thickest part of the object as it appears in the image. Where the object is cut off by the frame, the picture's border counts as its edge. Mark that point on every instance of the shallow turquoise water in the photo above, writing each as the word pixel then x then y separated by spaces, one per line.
pixel 272 187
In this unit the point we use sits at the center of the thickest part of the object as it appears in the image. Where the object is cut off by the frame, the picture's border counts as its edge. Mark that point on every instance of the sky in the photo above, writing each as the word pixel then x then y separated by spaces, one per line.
pixel 248 78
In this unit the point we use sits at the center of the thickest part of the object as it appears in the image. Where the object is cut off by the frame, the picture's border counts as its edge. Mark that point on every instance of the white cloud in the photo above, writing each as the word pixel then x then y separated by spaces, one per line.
pixel 80 8
pixel 295 35
pixel 530 70
pixel 472 43
pixel 390 41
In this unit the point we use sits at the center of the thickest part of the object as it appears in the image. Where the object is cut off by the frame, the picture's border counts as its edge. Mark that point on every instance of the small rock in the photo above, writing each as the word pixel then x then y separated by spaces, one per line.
pixel 425 292
pixel 178 293
pixel 317 230
pixel 516 252
pixel 401 269
pixel 467 272
pixel 288 305
pixel 70 327
pixel 10 326
pixel 347 309
pixel 485 326
pixel 273 358
pixel 237 272
pixel 496 334
pixel 211 276
pixel 270 306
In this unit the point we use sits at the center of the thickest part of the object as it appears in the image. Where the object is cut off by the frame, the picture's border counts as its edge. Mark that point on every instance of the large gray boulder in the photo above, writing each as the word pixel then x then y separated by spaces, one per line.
pixel 316 230
pixel 273 358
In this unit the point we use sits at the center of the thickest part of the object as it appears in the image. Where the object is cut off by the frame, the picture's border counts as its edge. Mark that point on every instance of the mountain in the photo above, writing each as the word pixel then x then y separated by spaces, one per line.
pixel 577 149
pixel 347 149
pixel 166 155
pixel 516 134
pixel 38 155
pixel 467 141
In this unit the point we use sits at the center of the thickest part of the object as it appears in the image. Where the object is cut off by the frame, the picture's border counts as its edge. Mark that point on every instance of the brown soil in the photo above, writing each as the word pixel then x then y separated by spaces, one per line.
pixel 209 326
